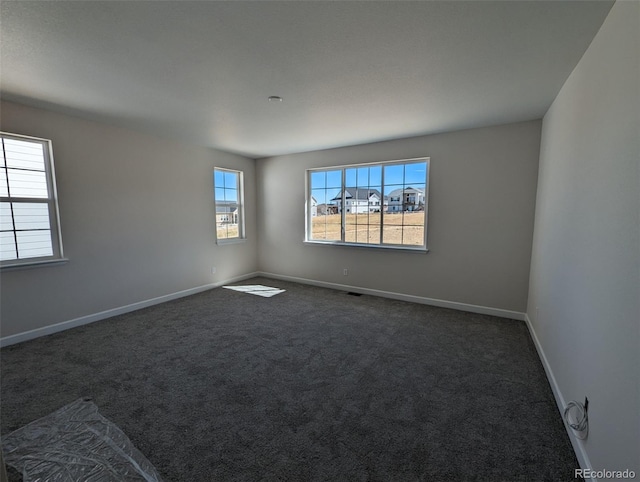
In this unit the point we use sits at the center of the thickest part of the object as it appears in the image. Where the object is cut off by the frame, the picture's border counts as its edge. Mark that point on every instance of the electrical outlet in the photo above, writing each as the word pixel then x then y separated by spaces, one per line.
pixel 213 270
pixel 345 272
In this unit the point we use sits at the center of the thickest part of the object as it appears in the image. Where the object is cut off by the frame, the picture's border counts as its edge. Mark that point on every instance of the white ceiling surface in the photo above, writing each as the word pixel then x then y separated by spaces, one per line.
pixel 349 72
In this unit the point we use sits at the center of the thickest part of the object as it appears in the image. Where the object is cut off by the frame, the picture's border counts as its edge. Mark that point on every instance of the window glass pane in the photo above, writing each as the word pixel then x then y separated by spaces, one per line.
pixel 413 218
pixel 414 199
pixel 218 178
pixel 221 231
pixel 362 234
pixel 6 221
pixel 4 191
pixel 227 220
pixel 333 195
pixel 393 218
pixel 317 231
pixel 227 198
pixel 363 177
pixel 375 175
pixel 27 175
pixel 350 233
pixel 318 226
pixel 7 246
pixel 320 195
pixel 393 174
pixel 333 226
pixel 334 179
pixel 413 235
pixel 24 154
pixel 230 180
pixel 31 215
pixel 392 234
pixel 33 244
pixel 31 184
pixel 231 195
pixel 415 173
pixel 375 198
pixel 350 177
pixel 318 180
pixel 232 230
pixel 394 199
pixel 400 202
pixel 374 234
pixel 2 160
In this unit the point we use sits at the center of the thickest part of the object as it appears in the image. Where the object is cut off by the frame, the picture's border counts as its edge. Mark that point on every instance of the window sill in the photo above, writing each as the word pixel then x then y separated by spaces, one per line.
pixel 231 241
pixel 418 249
pixel 34 264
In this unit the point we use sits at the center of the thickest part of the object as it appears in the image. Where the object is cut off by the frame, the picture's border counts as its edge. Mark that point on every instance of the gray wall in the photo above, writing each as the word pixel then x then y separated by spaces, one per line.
pixel 481 207
pixel 137 220
pixel 585 271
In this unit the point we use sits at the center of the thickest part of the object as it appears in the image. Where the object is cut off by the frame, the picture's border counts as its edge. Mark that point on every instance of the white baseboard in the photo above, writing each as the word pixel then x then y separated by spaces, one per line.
pixel 578 445
pixel 84 320
pixel 483 310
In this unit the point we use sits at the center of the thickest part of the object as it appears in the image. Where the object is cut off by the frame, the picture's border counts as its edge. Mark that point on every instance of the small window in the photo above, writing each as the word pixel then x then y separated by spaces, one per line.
pixel 29 227
pixel 229 204
pixel 385 204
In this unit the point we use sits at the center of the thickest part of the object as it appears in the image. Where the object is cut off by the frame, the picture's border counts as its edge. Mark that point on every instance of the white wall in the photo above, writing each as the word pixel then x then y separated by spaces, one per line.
pixel 481 208
pixel 137 219
pixel 585 272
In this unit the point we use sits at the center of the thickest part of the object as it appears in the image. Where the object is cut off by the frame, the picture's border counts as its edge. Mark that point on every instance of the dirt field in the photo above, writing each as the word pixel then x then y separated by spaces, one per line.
pixel 402 228
pixel 227 231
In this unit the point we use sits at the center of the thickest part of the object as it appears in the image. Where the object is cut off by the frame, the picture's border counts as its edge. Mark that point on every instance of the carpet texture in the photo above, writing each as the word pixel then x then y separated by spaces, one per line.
pixel 312 384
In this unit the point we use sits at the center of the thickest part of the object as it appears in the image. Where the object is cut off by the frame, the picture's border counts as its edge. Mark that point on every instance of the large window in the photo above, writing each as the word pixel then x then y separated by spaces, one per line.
pixel 29 228
pixel 382 204
pixel 229 204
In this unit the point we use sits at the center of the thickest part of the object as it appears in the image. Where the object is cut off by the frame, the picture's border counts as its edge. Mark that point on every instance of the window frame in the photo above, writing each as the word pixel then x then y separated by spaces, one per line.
pixel 240 205
pixel 52 206
pixel 381 245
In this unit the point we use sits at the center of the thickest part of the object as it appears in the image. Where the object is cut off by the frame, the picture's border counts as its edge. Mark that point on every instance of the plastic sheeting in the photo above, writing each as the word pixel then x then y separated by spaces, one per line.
pixel 76 444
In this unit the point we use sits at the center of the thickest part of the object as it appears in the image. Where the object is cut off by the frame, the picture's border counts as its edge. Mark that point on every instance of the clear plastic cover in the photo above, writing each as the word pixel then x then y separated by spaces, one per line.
pixel 76 444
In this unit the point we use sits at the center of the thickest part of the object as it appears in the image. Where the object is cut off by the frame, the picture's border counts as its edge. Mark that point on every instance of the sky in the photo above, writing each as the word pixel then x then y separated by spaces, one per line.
pixel 326 185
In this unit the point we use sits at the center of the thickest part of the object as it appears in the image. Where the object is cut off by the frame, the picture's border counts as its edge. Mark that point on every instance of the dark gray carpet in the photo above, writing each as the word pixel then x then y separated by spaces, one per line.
pixel 312 384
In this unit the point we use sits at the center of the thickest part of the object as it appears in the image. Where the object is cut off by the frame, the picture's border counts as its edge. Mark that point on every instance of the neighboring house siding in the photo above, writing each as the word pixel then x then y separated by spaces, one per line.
pixel 360 200
pixel 408 199
pixel 226 214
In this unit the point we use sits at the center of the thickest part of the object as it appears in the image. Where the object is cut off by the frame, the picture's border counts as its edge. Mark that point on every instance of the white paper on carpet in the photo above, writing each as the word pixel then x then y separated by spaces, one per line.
pixel 260 290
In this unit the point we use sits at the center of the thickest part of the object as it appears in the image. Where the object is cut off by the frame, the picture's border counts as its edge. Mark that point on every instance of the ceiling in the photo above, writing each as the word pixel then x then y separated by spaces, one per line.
pixel 349 72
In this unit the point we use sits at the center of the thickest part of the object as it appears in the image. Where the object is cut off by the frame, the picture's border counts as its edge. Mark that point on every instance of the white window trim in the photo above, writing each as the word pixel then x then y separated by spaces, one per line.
pixel 308 218
pixel 241 238
pixel 54 212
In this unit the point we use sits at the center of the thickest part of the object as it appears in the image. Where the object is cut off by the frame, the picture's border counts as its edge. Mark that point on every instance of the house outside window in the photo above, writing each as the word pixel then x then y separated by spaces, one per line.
pixel 385 204
pixel 29 220
pixel 229 205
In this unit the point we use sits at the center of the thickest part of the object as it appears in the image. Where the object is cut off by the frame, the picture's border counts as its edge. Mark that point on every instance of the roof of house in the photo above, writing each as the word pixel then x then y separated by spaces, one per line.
pixel 224 207
pixel 408 190
pixel 358 193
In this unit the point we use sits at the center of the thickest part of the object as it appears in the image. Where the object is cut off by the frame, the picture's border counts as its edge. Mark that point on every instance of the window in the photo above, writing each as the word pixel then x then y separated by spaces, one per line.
pixel 29 227
pixel 385 204
pixel 229 204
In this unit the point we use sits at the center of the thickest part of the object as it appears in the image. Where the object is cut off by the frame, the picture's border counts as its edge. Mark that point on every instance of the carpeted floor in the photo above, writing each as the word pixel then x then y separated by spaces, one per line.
pixel 312 384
